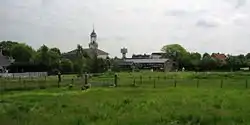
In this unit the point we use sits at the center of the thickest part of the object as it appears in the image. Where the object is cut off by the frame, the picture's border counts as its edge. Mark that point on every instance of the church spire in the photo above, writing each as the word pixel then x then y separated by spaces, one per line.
pixel 93 39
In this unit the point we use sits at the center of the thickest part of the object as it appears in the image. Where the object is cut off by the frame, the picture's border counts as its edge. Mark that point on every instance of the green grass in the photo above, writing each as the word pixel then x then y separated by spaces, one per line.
pixel 197 99
pixel 126 106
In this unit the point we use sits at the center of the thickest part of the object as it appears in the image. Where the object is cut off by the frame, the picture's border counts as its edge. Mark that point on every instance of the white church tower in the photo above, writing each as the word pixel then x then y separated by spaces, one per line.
pixel 93 38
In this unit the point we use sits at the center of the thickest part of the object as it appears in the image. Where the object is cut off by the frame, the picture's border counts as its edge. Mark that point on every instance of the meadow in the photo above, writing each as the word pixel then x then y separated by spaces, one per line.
pixel 154 100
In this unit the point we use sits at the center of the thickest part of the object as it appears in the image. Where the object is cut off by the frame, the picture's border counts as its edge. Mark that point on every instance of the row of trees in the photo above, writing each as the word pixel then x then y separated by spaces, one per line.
pixel 51 59
pixel 197 62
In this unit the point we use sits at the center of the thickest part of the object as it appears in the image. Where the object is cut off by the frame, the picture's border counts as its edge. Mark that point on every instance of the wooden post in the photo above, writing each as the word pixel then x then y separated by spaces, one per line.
pixel 198 83
pixel 86 79
pixel 246 83
pixel 134 82
pixel 221 83
pixel 115 80
pixel 154 84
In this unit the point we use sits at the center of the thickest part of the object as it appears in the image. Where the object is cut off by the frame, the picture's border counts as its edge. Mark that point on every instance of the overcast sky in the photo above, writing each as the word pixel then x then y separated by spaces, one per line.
pixel 143 26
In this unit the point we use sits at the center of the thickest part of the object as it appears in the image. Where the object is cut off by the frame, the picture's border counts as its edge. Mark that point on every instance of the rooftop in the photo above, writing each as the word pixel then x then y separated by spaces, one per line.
pixel 146 60
pixel 4 60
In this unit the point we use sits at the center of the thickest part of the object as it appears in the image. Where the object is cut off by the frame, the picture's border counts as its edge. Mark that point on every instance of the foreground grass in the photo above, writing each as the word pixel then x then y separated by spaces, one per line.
pixel 126 106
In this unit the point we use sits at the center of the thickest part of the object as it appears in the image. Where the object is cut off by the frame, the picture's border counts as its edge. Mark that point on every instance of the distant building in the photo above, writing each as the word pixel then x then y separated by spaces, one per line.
pixel 221 57
pixel 4 61
pixel 93 47
pixel 154 61
pixel 157 55
pixel 145 56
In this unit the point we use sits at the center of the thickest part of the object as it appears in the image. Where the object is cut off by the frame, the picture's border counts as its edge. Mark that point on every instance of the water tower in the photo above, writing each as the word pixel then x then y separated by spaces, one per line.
pixel 124 51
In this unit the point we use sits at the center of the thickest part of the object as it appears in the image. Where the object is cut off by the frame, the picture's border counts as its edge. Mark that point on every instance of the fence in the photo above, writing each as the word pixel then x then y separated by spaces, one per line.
pixel 163 82
pixel 29 83
pixel 24 75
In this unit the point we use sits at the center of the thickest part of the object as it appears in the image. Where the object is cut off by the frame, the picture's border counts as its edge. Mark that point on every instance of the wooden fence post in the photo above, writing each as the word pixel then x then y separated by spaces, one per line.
pixel 198 83
pixel 86 79
pixel 134 83
pixel 115 80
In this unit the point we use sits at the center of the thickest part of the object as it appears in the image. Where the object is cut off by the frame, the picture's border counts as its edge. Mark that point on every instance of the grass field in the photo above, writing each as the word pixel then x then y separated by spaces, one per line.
pixel 153 101
pixel 126 106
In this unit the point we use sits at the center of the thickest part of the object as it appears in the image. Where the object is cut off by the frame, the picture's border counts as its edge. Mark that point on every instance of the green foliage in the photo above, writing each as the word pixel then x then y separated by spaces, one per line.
pixel 56 50
pixel 7 47
pixel 66 66
pixel 174 51
pixel 22 52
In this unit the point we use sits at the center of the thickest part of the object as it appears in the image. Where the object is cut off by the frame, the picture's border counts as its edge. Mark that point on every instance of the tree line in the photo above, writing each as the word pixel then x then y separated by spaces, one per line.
pixel 194 61
pixel 51 59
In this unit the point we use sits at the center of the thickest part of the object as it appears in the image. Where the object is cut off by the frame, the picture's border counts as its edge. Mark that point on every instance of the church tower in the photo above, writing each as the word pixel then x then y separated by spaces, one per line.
pixel 93 37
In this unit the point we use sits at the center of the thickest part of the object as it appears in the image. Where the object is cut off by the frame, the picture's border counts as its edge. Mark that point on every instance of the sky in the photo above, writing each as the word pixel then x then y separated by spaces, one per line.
pixel 142 26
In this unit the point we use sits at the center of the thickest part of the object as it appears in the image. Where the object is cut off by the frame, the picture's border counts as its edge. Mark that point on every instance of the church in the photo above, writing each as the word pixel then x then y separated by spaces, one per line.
pixel 93 45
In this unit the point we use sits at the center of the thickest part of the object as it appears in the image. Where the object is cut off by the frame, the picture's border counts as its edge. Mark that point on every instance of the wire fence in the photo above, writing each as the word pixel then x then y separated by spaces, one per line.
pixel 12 84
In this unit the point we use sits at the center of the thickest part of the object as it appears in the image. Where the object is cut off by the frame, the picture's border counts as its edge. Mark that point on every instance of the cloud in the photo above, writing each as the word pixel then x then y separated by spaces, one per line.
pixel 143 26
pixel 237 3
pixel 207 23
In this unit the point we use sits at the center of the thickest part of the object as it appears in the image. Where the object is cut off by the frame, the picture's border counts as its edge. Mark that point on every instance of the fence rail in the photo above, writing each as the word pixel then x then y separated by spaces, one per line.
pixel 24 75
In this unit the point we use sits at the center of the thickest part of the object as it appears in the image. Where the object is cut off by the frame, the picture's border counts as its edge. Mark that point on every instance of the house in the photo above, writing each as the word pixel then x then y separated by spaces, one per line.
pixel 93 47
pixel 221 57
pixel 4 62
pixel 140 56
pixel 156 64
pixel 157 55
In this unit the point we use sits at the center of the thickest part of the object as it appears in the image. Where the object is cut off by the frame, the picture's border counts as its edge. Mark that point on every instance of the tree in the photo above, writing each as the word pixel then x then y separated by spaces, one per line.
pixel 248 55
pixel 233 62
pixel 48 57
pixel 42 56
pixel 195 56
pixel 7 46
pixel 176 52
pixel 22 53
pixel 56 50
pixel 208 63
pixel 80 54
pixel 66 65
pixel 205 55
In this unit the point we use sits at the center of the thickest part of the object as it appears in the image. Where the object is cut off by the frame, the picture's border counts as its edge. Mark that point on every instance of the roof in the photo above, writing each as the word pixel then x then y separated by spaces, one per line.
pixel 219 56
pixel 147 60
pixel 4 60
pixel 145 56
pixel 159 53
pixel 88 51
